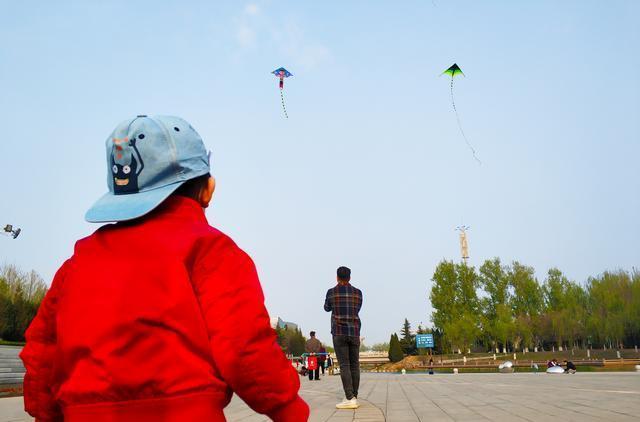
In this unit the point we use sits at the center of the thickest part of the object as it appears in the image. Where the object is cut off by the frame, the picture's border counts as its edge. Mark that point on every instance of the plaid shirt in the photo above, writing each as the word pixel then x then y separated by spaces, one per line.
pixel 344 303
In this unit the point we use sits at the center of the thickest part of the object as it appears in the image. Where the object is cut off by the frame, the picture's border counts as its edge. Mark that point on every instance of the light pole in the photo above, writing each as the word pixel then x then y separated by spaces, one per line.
pixel 464 245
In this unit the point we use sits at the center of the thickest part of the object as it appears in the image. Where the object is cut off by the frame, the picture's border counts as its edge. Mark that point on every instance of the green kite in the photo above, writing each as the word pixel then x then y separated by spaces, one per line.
pixel 454 71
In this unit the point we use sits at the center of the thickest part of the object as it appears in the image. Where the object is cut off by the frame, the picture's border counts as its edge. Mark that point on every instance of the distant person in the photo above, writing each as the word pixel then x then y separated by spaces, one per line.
pixel 159 316
pixel 344 302
pixel 570 367
pixel 430 366
pixel 322 359
pixel 313 347
pixel 329 365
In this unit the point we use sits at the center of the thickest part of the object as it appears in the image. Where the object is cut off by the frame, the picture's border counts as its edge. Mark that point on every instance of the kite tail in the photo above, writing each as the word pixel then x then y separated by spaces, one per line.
pixel 283 107
pixel 453 103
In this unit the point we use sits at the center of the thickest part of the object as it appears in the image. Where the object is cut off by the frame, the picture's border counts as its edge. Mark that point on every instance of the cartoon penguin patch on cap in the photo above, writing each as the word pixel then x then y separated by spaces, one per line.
pixel 126 165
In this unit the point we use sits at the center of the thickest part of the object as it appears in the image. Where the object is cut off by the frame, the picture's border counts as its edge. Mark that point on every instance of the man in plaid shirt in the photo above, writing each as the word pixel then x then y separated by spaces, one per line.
pixel 344 302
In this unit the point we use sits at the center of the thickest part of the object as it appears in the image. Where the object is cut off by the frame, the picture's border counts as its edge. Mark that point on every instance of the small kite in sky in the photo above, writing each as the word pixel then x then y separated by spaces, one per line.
pixel 454 71
pixel 10 231
pixel 282 73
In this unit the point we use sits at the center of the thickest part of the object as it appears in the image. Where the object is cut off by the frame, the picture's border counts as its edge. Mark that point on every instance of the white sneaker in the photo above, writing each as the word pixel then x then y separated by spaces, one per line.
pixel 348 404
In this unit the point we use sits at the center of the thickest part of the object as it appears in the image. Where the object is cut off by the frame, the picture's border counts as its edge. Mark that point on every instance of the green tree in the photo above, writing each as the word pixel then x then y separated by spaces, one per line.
pixel 633 310
pixel 610 299
pixel 380 347
pixel 456 304
pixel 514 309
pixel 395 350
pixel 527 303
pixel 443 296
pixel 497 317
pixel 296 342
pixel 467 322
pixel 281 338
pixel 20 297
pixel 407 341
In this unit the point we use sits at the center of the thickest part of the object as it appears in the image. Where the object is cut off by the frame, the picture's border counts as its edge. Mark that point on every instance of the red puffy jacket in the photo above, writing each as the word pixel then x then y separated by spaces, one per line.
pixel 158 319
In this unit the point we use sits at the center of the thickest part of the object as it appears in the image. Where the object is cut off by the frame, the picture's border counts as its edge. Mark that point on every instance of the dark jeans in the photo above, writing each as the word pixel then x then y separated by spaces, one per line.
pixel 315 372
pixel 348 353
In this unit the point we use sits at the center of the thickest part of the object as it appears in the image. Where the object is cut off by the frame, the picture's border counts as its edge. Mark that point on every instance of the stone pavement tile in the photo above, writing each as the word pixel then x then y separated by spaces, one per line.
pixel 401 415
pixel 395 406
pixel 427 407
pixel 546 411
pixel 622 406
pixel 367 413
pixel 251 418
pixel 600 413
pixel 493 413
pixel 434 416
pixel 525 412
pixel 453 408
pixel 11 410
pixel 340 415
pixel 464 397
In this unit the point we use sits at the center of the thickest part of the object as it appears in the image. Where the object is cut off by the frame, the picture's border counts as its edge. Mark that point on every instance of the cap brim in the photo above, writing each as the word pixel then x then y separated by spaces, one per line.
pixel 128 207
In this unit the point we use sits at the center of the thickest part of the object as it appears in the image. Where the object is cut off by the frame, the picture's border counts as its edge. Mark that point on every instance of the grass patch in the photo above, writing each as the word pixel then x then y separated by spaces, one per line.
pixel 541 370
pixel 11 343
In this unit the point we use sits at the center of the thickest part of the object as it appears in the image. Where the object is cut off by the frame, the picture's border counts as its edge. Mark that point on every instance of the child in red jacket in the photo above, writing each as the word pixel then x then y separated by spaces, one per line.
pixel 159 317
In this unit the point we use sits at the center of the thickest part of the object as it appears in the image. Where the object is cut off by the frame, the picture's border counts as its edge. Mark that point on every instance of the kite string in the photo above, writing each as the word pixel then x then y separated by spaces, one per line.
pixel 460 126
pixel 283 107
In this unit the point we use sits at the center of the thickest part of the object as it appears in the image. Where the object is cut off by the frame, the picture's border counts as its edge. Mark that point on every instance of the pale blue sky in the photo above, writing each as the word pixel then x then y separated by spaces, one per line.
pixel 370 170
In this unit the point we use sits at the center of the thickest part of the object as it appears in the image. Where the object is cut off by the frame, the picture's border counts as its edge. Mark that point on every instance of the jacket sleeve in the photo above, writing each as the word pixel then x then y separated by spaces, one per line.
pixel 38 353
pixel 243 344
pixel 327 302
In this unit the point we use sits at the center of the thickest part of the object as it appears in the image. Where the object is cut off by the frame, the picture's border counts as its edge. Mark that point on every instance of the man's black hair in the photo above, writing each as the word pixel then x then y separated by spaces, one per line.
pixel 192 187
pixel 312 334
pixel 344 274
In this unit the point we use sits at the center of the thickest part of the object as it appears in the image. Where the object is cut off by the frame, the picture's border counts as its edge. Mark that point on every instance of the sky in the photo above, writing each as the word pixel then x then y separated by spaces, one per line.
pixel 370 170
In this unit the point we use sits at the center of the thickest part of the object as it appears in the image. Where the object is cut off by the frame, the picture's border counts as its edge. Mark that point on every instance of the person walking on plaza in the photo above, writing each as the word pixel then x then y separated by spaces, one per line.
pixel 157 316
pixel 322 359
pixel 344 301
pixel 329 365
pixel 312 347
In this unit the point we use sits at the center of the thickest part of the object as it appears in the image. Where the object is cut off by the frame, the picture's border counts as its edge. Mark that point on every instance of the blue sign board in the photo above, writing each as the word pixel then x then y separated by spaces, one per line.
pixel 424 341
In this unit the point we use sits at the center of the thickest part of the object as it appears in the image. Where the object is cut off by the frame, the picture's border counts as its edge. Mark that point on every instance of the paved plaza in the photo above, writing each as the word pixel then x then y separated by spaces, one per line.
pixel 603 396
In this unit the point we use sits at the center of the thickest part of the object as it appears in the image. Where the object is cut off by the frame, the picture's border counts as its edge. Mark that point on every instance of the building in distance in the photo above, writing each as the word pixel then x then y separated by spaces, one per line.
pixel 285 325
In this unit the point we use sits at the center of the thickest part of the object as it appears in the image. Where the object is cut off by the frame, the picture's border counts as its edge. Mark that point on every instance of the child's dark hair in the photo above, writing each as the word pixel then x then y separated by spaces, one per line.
pixel 344 274
pixel 192 187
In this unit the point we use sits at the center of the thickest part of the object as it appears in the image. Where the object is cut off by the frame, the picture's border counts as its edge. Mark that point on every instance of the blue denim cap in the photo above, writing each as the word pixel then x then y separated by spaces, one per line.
pixel 148 158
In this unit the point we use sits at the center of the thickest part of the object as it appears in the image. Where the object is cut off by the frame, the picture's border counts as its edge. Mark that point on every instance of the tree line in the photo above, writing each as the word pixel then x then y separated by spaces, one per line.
pixel 504 308
pixel 20 297
pixel 405 344
pixel 292 341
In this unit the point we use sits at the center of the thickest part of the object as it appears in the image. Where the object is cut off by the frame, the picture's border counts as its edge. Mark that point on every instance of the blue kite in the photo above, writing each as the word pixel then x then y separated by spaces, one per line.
pixel 282 73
